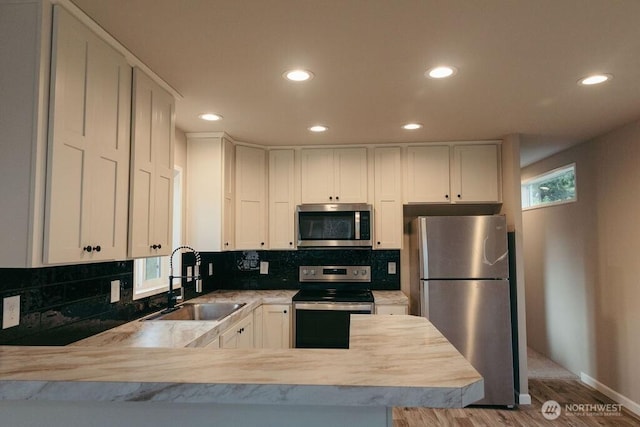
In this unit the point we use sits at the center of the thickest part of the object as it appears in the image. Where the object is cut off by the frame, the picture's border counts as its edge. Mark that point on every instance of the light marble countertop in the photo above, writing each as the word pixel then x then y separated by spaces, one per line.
pixel 392 361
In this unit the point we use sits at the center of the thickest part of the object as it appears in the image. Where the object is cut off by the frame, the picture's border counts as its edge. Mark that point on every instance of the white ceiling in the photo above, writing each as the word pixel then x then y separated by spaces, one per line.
pixel 518 63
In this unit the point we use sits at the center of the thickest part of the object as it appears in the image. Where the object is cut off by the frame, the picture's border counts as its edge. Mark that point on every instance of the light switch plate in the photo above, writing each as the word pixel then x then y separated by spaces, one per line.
pixel 264 267
pixel 115 290
pixel 11 312
pixel 391 268
pixel 210 269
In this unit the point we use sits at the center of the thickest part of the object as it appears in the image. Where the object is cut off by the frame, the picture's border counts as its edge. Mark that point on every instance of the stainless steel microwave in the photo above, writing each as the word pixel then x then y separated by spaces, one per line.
pixel 336 225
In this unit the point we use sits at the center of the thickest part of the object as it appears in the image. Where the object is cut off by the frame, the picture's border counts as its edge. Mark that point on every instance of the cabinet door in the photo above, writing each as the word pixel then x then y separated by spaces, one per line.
pixel 239 335
pixel 317 176
pixel 388 202
pixel 151 206
pixel 251 224
pixel 281 199
pixel 476 173
pixel 350 175
pixel 245 332
pixel 210 219
pixel 88 159
pixel 276 326
pixel 428 174
pixel 228 213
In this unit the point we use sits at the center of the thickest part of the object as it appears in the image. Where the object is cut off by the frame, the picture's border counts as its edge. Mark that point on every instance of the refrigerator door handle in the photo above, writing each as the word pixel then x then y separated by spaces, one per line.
pixel 424 298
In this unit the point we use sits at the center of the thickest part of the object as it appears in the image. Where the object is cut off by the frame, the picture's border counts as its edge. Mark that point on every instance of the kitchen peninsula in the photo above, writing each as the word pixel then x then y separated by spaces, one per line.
pixel 104 380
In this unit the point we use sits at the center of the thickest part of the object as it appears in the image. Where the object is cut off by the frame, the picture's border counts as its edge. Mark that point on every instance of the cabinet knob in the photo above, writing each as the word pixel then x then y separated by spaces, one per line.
pixel 337 197
pixel 261 243
pixel 88 249
pixel 156 246
pixel 97 248
pixel 92 248
pixel 330 197
pixel 446 196
pixel 226 243
pixel 290 243
pixel 285 312
pixel 378 242
pixel 459 196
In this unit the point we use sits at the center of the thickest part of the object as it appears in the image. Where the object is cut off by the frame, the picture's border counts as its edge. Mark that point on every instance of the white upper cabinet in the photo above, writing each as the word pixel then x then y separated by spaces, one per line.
pixel 334 175
pixel 388 198
pixel 251 198
pixel 476 174
pixel 428 174
pixel 88 158
pixel 25 41
pixel 281 199
pixel 210 192
pixel 151 199
pixel 455 173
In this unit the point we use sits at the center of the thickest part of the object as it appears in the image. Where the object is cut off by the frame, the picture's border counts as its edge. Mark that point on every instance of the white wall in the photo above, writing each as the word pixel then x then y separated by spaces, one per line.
pixel 582 267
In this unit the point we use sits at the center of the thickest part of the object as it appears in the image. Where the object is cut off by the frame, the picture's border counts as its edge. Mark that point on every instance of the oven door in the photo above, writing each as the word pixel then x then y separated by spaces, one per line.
pixel 325 325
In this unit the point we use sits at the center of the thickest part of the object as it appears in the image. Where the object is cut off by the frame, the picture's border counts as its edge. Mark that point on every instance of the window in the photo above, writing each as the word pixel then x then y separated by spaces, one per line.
pixel 151 275
pixel 551 188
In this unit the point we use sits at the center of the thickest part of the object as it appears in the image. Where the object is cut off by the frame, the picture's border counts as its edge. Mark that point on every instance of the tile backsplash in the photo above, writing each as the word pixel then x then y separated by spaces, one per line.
pixel 60 305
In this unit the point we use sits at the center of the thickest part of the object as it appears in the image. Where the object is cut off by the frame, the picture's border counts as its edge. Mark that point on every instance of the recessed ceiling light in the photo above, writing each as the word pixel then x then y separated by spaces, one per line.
pixel 594 79
pixel 210 117
pixel 318 128
pixel 298 75
pixel 441 72
pixel 412 126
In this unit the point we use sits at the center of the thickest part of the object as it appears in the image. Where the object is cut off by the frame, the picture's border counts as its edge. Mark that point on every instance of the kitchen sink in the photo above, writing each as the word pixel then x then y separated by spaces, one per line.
pixel 199 311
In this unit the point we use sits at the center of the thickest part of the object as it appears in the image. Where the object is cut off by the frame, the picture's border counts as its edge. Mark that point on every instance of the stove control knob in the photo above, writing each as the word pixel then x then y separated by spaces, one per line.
pixel 305 272
pixel 364 272
pixel 313 272
pixel 355 272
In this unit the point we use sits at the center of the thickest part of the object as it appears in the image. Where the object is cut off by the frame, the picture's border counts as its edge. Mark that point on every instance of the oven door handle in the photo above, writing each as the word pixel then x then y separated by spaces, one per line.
pixel 333 307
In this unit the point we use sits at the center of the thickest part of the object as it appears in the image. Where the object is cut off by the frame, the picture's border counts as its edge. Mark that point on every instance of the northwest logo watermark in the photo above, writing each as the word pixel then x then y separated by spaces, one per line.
pixel 551 409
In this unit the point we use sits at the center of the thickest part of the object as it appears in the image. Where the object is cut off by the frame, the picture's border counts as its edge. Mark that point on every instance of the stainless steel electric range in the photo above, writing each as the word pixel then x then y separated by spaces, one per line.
pixel 328 296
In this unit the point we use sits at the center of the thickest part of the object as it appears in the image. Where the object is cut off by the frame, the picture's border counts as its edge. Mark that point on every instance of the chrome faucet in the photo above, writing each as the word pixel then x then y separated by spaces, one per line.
pixel 171 297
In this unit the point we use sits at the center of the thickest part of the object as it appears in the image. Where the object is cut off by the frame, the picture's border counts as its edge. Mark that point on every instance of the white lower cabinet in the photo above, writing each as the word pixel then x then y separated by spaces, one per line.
pixel 392 309
pixel 276 326
pixel 239 335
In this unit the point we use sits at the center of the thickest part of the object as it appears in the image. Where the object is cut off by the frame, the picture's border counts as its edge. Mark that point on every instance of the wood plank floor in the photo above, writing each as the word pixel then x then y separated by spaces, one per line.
pixel 563 391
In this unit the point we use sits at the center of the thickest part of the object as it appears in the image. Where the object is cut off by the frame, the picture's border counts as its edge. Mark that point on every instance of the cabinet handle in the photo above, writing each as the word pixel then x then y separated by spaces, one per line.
pixel 156 246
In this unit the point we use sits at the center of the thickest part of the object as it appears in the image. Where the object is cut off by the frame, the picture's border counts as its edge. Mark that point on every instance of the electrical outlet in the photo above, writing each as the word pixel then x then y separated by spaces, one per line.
pixel 210 269
pixel 264 267
pixel 190 273
pixel 391 268
pixel 115 290
pixel 11 312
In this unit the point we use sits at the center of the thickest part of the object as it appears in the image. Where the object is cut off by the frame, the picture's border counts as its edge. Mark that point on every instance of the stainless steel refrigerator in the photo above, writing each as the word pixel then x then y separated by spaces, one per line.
pixel 460 270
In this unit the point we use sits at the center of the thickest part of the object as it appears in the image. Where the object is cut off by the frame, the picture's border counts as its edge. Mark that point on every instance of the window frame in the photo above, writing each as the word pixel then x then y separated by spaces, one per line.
pixel 545 176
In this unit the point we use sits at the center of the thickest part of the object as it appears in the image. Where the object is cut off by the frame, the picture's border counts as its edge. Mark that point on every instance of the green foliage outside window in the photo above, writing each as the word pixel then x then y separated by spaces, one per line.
pixel 554 187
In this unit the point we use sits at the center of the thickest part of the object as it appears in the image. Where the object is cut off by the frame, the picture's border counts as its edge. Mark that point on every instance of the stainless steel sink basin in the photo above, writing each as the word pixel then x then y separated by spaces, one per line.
pixel 199 311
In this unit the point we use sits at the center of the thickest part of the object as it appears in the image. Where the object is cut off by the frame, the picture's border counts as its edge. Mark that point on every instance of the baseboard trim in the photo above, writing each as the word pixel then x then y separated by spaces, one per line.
pixel 612 394
pixel 524 399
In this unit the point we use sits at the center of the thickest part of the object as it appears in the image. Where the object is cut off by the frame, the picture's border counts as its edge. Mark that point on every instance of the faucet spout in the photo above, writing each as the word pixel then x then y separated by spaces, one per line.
pixel 171 297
